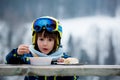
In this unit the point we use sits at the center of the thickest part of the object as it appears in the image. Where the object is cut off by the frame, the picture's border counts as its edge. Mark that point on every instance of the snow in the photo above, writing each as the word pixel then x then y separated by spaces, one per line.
pixel 85 28
pixel 80 26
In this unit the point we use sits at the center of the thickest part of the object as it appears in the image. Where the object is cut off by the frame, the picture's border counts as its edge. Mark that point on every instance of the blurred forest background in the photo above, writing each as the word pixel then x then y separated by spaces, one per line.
pixel 16 17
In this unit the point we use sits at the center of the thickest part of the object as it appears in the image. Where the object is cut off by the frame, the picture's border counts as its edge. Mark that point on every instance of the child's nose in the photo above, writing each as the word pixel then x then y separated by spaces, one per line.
pixel 45 42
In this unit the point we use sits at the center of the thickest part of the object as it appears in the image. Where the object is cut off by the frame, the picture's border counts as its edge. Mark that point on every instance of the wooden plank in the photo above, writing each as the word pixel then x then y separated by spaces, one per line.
pixel 60 70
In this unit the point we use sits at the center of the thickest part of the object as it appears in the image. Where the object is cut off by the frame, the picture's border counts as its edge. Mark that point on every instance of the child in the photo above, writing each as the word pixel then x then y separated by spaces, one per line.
pixel 46 38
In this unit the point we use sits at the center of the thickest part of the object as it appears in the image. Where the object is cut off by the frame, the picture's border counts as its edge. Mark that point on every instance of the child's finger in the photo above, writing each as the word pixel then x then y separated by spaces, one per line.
pixel 61 60
pixel 23 49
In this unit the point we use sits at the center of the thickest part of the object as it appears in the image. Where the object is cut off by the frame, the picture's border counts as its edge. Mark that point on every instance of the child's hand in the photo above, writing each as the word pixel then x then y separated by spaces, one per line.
pixel 61 60
pixel 22 49
pixel 68 60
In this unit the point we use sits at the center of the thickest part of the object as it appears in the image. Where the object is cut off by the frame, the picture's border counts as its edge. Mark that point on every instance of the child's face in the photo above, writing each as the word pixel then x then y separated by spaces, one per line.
pixel 45 45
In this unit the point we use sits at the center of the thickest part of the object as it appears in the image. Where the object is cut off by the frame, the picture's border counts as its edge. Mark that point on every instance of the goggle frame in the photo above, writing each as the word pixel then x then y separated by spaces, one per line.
pixel 45 23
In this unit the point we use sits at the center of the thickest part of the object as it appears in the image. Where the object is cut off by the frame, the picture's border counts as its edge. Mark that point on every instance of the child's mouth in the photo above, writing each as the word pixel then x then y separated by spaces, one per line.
pixel 45 49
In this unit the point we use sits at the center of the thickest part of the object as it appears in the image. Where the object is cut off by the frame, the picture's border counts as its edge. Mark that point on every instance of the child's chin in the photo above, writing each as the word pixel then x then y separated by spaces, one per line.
pixel 45 52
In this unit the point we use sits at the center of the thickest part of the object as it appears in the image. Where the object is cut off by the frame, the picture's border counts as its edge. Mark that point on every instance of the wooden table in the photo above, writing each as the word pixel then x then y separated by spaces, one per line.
pixel 60 70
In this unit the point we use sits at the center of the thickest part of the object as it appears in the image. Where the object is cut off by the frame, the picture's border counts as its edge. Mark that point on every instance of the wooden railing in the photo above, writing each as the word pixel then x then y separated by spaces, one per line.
pixel 60 70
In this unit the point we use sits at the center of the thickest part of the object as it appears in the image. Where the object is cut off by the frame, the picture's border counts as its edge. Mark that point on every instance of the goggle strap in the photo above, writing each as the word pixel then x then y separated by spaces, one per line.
pixel 59 28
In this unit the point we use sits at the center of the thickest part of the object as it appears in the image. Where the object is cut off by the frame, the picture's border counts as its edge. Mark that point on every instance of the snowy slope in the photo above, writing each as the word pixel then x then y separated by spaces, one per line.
pixel 87 29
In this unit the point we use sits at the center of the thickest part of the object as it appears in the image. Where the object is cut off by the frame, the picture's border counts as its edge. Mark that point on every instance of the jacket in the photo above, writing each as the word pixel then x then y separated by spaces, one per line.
pixel 14 58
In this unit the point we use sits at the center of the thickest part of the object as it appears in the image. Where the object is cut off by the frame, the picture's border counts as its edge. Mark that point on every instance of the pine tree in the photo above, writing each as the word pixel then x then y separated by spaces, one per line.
pixel 70 45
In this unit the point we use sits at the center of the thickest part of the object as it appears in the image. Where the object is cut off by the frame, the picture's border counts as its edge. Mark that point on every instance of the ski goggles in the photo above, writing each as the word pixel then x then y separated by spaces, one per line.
pixel 47 23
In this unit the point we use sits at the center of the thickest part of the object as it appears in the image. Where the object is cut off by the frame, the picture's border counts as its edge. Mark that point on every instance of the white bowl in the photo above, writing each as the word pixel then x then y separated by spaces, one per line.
pixel 40 60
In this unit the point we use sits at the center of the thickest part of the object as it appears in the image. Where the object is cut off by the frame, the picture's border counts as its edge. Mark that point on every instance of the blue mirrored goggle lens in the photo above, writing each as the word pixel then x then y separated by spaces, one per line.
pixel 49 24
